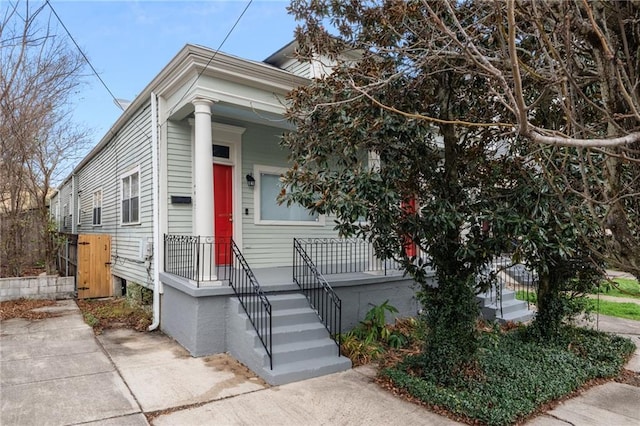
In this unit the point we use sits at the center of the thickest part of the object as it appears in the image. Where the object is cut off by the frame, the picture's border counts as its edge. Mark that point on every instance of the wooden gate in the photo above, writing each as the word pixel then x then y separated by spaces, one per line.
pixel 94 266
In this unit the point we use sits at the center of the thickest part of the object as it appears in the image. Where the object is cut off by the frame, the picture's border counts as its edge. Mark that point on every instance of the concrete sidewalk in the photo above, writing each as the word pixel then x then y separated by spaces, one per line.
pixel 55 371
pixel 609 404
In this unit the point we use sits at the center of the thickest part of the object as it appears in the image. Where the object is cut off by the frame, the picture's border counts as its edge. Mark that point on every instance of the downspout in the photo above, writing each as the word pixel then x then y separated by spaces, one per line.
pixel 72 204
pixel 156 213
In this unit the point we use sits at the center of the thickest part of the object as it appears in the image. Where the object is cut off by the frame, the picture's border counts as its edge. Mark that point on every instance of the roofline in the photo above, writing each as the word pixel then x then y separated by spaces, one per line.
pixel 185 58
pixel 287 48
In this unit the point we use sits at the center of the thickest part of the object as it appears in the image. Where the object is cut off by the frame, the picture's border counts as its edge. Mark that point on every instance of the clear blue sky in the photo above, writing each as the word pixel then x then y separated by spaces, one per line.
pixel 129 42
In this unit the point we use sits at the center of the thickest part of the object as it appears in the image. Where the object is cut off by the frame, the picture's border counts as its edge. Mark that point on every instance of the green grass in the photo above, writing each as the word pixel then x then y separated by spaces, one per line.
pixel 626 310
pixel 531 296
pixel 630 288
pixel 514 375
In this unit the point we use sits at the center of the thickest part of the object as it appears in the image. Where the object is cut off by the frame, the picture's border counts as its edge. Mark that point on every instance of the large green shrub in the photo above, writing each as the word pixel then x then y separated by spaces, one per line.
pixel 515 375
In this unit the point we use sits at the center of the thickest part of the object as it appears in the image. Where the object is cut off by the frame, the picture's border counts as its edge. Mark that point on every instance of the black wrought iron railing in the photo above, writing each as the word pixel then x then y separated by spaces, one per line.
pixel 197 258
pixel 253 300
pixel 516 277
pixel 318 292
pixel 344 255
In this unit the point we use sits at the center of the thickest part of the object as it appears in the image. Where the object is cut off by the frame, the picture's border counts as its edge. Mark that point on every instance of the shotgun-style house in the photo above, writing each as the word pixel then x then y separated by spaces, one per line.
pixel 184 186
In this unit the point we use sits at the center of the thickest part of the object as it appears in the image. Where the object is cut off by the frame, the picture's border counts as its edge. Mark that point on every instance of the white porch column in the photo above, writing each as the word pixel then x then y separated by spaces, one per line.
pixel 203 186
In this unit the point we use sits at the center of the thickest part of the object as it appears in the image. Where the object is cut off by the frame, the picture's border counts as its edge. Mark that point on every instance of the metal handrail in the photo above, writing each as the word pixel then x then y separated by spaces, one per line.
pixel 512 275
pixel 322 298
pixel 253 300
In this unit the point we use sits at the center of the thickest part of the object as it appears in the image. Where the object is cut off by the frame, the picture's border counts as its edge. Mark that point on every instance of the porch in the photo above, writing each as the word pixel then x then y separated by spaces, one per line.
pixel 282 322
pixel 279 321
pixel 205 261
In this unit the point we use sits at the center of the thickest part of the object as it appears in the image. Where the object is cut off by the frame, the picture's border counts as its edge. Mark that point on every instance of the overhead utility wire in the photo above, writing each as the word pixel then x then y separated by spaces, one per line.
pixel 95 72
pixel 107 87
pixel 212 56
pixel 83 55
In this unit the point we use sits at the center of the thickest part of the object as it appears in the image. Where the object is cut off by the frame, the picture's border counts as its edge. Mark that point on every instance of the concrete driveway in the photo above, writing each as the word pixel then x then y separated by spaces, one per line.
pixel 56 372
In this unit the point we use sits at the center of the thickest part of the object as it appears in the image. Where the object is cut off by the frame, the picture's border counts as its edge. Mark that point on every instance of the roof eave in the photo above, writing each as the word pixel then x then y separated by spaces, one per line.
pixel 186 57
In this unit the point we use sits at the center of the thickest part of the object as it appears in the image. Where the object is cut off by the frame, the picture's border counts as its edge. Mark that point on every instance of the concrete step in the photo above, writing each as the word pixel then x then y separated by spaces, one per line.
pixel 305 350
pixel 285 301
pixel 508 295
pixel 307 369
pixel 486 298
pixel 489 298
pixel 507 306
pixel 284 317
pixel 302 347
pixel 510 309
pixel 518 316
pixel 296 333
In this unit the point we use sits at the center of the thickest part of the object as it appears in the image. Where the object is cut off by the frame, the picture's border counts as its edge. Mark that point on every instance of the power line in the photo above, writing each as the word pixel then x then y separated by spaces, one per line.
pixel 83 55
pixel 95 72
pixel 193 83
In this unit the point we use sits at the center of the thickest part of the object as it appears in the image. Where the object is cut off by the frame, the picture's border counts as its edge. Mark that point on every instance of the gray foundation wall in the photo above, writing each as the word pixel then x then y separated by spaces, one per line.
pixel 195 318
pixel 240 336
pixel 206 321
pixel 359 298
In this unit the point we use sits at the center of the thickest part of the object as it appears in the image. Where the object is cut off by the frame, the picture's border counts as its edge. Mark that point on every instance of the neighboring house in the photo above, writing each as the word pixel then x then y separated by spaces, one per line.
pixel 185 184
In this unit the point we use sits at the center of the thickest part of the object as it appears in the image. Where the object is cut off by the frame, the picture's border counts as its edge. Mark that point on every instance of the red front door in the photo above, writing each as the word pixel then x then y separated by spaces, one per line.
pixel 409 247
pixel 223 215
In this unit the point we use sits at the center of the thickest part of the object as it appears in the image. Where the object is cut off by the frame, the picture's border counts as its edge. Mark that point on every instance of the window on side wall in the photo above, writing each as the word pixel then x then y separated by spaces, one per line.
pixel 97 208
pixel 131 197
pixel 79 211
pixel 268 211
pixel 65 216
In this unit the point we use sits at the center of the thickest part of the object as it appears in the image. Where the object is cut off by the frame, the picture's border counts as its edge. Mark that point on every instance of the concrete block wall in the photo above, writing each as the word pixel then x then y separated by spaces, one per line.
pixel 40 287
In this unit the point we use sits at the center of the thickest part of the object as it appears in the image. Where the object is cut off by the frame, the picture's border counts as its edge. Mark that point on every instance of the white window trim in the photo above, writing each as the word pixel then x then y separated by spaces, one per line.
pixel 257 169
pixel 79 211
pixel 122 177
pixel 93 205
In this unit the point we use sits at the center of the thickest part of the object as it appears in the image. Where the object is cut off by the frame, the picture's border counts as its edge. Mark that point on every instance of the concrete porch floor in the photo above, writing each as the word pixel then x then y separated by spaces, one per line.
pixel 280 278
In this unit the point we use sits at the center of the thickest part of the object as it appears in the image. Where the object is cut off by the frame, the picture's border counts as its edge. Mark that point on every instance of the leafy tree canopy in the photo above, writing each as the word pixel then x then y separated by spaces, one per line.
pixel 563 76
pixel 405 144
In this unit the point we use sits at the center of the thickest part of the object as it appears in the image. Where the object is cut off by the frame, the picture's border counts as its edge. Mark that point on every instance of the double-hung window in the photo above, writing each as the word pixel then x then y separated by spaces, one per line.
pixel 97 208
pixel 131 197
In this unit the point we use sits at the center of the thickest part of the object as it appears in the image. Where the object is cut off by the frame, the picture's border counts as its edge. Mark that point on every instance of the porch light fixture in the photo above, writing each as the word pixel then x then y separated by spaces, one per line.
pixel 251 181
